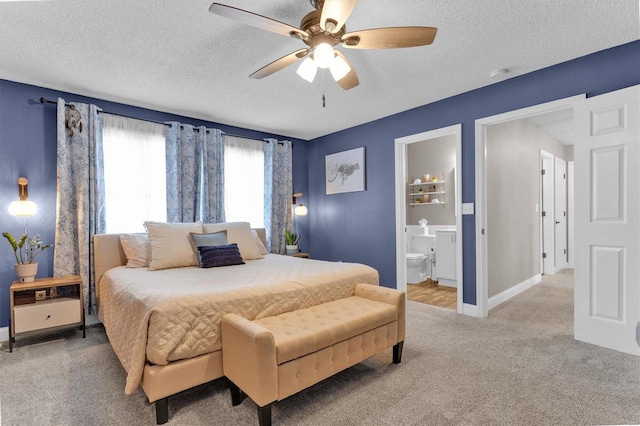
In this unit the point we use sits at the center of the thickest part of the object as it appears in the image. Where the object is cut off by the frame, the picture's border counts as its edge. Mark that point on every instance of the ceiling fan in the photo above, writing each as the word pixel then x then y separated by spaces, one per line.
pixel 323 29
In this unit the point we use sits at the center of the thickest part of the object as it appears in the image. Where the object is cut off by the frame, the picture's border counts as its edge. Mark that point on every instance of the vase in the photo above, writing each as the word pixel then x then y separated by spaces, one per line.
pixel 26 272
pixel 291 249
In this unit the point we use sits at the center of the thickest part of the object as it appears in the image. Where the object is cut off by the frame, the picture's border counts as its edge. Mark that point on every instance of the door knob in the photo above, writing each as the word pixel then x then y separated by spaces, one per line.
pixel 557 222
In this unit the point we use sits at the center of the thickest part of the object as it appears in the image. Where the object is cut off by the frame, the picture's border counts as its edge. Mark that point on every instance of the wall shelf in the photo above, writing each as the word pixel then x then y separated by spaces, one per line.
pixel 434 190
pixel 426 193
pixel 438 182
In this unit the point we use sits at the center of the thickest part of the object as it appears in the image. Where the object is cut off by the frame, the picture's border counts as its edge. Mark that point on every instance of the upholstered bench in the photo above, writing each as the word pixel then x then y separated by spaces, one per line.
pixel 272 358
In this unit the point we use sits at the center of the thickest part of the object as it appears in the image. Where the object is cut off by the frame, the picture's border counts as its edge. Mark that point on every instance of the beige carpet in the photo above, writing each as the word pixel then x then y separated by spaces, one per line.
pixel 519 366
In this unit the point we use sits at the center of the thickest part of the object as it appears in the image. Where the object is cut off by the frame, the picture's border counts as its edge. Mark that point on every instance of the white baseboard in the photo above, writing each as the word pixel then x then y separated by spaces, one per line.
pixel 469 310
pixel 513 291
pixel 448 283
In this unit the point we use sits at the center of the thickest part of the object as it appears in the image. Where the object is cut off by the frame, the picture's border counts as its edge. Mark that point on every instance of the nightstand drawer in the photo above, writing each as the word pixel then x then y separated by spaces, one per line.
pixel 46 314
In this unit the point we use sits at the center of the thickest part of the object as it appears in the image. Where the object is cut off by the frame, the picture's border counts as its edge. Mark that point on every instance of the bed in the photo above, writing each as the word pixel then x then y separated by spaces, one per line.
pixel 164 325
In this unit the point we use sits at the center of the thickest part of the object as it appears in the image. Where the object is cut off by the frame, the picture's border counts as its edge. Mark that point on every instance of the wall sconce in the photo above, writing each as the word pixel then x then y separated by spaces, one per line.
pixel 23 207
pixel 301 209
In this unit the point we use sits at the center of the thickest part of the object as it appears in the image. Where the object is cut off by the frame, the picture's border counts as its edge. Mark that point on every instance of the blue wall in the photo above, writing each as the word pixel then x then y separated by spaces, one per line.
pixel 360 226
pixel 28 148
pixel 357 227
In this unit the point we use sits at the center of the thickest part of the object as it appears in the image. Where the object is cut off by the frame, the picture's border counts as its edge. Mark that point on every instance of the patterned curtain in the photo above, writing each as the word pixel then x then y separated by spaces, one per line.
pixel 195 174
pixel 277 193
pixel 80 204
pixel 211 201
pixel 183 173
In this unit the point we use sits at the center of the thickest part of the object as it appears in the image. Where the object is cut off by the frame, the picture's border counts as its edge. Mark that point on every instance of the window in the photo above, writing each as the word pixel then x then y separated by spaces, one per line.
pixel 244 180
pixel 134 173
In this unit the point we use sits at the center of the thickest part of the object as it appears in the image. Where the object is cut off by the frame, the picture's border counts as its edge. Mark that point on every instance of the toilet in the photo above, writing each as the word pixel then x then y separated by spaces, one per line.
pixel 420 249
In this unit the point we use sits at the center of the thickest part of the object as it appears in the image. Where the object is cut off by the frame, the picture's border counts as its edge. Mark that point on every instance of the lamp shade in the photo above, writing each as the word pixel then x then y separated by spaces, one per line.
pixel 339 68
pixel 323 54
pixel 301 210
pixel 23 208
pixel 307 70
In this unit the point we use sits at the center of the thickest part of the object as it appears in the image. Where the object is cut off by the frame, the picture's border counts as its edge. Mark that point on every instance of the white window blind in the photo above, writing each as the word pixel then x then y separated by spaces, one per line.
pixel 244 180
pixel 134 173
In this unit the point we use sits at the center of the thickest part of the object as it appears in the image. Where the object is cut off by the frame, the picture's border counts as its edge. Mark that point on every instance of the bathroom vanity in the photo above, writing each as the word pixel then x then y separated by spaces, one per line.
pixel 446 257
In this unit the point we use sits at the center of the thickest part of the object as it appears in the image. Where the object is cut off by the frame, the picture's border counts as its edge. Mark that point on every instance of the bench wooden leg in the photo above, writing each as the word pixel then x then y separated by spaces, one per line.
pixel 397 352
pixel 264 415
pixel 162 410
pixel 236 394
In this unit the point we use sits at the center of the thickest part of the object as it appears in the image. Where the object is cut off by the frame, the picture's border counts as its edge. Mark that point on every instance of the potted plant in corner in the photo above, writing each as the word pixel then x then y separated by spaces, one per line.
pixel 292 242
pixel 25 250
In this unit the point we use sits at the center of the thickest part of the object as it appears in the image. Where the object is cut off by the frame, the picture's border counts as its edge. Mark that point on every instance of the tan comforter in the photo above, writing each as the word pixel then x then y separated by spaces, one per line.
pixel 172 314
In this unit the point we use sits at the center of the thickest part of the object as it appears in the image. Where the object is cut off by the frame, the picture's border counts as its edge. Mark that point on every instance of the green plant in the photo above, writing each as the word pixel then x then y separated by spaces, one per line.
pixel 292 238
pixel 26 249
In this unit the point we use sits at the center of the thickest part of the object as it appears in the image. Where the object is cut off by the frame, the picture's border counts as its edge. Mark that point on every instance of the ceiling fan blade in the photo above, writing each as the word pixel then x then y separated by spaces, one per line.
pixel 256 20
pixel 279 64
pixel 389 38
pixel 350 80
pixel 337 11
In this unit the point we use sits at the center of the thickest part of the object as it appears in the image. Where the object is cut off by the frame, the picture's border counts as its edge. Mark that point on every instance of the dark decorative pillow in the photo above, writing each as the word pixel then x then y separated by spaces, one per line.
pixel 213 256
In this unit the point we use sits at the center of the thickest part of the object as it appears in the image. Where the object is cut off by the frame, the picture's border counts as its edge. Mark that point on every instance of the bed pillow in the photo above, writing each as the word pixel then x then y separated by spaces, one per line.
pixel 136 249
pixel 239 233
pixel 211 240
pixel 214 256
pixel 261 248
pixel 170 244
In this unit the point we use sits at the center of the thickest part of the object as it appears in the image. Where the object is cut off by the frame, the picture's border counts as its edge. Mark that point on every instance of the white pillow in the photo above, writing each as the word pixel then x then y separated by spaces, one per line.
pixel 170 244
pixel 261 248
pixel 136 249
pixel 239 233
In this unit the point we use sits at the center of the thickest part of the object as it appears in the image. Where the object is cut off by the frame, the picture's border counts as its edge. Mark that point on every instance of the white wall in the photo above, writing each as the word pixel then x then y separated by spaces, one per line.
pixel 434 156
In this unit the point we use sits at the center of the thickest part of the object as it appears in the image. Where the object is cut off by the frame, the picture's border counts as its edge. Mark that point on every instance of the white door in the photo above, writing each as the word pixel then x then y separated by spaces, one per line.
pixel 546 171
pixel 560 211
pixel 607 219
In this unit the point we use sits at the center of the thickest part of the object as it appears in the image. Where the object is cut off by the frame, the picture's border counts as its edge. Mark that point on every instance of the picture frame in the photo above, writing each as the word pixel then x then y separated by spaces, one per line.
pixel 345 171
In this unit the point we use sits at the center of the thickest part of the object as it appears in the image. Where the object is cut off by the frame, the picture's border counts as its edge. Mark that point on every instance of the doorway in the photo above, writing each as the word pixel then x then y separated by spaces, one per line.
pixel 484 229
pixel 555 186
pixel 560 212
pixel 547 212
pixel 447 197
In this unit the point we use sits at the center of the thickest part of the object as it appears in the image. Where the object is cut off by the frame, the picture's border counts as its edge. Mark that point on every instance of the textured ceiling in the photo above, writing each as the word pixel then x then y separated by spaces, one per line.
pixel 177 57
pixel 558 124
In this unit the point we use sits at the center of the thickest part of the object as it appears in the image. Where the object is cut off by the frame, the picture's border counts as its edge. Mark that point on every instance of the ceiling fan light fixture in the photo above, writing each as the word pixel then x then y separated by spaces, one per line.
pixel 307 69
pixel 323 54
pixel 339 68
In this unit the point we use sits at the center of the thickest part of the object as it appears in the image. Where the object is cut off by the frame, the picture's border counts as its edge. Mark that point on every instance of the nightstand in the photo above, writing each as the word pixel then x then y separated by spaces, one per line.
pixel 300 254
pixel 31 312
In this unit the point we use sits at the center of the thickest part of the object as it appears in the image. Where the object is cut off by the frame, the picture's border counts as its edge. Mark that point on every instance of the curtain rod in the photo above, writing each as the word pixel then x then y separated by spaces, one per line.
pixel 47 101
pixel 253 139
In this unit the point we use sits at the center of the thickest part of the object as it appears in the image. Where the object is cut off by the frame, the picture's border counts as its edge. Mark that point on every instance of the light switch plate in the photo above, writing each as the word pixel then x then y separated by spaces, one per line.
pixel 41 294
pixel 467 208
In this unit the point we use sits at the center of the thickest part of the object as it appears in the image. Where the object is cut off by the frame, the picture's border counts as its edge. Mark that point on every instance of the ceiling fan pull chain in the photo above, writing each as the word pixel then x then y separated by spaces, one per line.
pixel 323 98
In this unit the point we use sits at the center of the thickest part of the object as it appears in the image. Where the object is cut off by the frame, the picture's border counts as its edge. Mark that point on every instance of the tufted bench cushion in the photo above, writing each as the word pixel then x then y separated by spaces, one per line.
pixel 302 332
pixel 275 357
